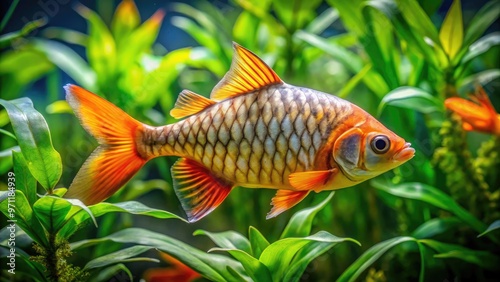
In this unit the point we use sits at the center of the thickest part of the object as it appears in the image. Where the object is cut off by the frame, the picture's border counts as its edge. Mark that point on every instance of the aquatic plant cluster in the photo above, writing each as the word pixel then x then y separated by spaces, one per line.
pixel 428 70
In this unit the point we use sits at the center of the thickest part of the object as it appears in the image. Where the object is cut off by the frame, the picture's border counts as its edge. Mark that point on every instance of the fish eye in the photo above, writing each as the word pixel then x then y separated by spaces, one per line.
pixel 380 144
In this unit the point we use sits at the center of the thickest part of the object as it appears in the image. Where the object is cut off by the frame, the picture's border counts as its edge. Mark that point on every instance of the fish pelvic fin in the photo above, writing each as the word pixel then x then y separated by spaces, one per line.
pixel 189 103
pixel 247 73
pixel 311 180
pixel 284 200
pixel 198 190
pixel 116 159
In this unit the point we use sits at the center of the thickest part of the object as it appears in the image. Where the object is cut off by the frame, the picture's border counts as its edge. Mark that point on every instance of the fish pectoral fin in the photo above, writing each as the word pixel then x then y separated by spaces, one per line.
pixel 198 190
pixel 189 103
pixel 284 200
pixel 311 180
pixel 247 73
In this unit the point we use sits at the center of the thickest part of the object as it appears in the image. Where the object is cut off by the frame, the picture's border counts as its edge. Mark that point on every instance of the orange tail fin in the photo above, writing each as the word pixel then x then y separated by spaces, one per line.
pixel 116 160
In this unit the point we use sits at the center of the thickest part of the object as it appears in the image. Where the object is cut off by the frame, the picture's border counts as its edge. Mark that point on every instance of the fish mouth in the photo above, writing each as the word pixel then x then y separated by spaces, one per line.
pixel 405 153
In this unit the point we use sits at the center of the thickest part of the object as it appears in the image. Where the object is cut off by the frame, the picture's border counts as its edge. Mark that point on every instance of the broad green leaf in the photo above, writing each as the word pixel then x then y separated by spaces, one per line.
pixel 486 16
pixel 33 137
pixel 54 212
pixel 411 98
pixel 121 256
pixel 451 34
pixel 227 240
pixel 304 257
pixel 301 222
pixel 211 266
pixel 483 259
pixel 103 208
pixel 433 196
pixel 110 272
pixel 24 181
pixel 254 268
pixel 279 255
pixel 494 226
pixel 257 241
pixel 481 46
pixel 18 208
pixel 371 255
pixel 435 227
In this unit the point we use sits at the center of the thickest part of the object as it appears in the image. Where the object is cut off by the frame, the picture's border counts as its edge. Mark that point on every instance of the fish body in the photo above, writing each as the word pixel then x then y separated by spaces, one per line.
pixel 255 131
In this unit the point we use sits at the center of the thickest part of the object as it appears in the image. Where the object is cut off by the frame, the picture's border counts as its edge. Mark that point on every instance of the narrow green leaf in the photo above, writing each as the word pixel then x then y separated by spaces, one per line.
pixel 435 227
pixel 18 208
pixel 24 181
pixel 494 226
pixel 227 240
pixel 125 20
pixel 103 208
pixel 121 256
pixel 279 255
pixel 68 61
pixel 411 98
pixel 481 46
pixel 418 20
pixel 101 47
pixel 430 195
pixel 304 257
pixel 7 39
pixel 54 212
pixel 257 241
pixel 301 222
pixel 254 268
pixel 33 137
pixel 139 41
pixel 211 266
pixel 486 16
pixel 109 272
pixel 481 78
pixel 353 272
pixel 451 34
pixel 483 259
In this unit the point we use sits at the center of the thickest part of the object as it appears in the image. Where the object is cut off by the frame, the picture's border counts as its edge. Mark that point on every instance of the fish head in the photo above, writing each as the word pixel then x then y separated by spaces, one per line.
pixel 369 149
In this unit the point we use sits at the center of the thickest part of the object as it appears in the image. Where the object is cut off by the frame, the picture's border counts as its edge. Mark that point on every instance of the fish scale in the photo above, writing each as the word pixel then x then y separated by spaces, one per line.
pixel 275 140
pixel 255 131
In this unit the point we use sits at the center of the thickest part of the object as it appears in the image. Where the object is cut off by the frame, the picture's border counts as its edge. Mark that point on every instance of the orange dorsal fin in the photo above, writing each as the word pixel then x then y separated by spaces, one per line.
pixel 284 200
pixel 117 158
pixel 198 190
pixel 189 103
pixel 248 73
pixel 311 180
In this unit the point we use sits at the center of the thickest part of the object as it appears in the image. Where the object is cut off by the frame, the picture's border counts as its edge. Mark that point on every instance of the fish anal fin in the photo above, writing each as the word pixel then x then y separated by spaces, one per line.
pixel 284 200
pixel 311 180
pixel 198 190
pixel 247 73
pixel 189 103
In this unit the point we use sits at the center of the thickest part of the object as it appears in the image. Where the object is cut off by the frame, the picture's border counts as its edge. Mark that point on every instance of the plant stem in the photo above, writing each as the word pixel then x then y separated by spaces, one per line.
pixel 52 258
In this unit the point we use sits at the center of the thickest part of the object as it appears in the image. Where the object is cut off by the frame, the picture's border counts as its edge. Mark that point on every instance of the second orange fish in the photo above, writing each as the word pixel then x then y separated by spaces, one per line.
pixel 255 131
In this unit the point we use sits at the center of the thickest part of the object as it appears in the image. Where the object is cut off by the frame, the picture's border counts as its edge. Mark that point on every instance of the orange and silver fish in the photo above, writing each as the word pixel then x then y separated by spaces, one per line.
pixel 479 116
pixel 255 131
